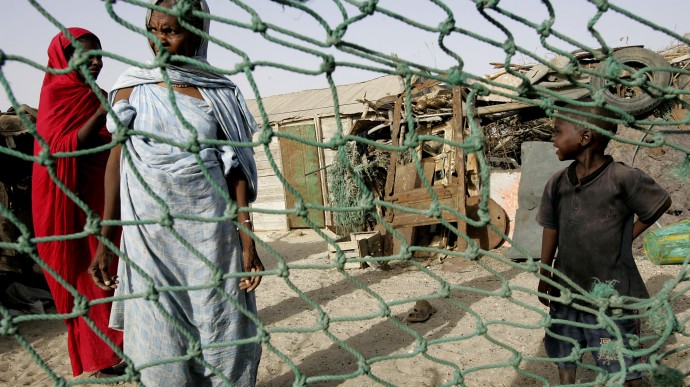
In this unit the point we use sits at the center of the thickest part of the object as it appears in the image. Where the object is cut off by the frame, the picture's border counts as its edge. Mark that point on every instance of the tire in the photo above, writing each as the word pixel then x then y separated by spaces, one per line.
pixel 636 101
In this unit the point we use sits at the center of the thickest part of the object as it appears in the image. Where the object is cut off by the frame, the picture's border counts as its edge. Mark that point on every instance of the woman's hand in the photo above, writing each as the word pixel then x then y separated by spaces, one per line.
pixel 99 268
pixel 252 263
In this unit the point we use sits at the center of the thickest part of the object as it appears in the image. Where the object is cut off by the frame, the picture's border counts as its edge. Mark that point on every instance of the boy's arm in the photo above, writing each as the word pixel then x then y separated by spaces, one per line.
pixel 640 226
pixel 549 243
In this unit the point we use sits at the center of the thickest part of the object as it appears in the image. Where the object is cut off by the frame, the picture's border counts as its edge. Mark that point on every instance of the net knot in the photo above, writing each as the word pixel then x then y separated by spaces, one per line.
pixel 324 320
pixel 81 305
pixel 266 136
pixel 602 5
pixel 456 76
pixel 385 310
pixel 367 199
pixel 151 293
pixel 183 10
pixel 566 296
pixel 194 349
pixel 362 364
pixel 473 250
pixel 216 278
pixel 337 141
pixel 300 379
pixel 412 139
pixel 368 8
pixel 445 290
pixel 606 289
pixel 2 58
pixel 80 58
pixel 166 219
pixel 547 105
pixel 24 245
pixel 45 158
pixel 481 328
pixel 258 25
pixel 328 65
pixel 335 36
pixel 509 47
pixel 301 209
pixel 484 4
pixel 447 26
pixel 93 224
pixel 161 60
pixel 7 326
pixel 283 270
pixel 481 89
pixel 475 143
pixel 544 29
pixel 435 210
pixel 506 292
pixel 263 336
pixel 421 346
pixel 193 146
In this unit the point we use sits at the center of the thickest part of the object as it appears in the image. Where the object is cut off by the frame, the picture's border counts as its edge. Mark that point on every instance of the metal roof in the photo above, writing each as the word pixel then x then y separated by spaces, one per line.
pixel 319 102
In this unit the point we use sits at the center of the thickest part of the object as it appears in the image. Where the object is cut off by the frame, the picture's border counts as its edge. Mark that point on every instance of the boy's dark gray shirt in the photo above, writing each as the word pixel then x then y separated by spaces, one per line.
pixel 594 218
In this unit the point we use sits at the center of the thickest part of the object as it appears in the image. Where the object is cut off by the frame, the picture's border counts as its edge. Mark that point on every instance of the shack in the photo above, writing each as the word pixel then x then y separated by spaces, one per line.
pixel 311 116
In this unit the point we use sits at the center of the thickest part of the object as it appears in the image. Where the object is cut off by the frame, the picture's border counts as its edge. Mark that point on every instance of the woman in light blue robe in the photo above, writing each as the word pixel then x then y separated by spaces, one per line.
pixel 172 192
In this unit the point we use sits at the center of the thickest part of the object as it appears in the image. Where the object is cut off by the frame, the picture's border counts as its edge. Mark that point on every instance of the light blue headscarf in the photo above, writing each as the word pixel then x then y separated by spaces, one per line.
pixel 222 95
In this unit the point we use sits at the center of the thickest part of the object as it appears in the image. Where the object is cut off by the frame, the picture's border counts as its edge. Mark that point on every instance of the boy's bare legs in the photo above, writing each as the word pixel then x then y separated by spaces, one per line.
pixel 566 375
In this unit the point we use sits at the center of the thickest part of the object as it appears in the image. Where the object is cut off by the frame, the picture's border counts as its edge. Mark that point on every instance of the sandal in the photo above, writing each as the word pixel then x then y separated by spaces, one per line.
pixel 421 312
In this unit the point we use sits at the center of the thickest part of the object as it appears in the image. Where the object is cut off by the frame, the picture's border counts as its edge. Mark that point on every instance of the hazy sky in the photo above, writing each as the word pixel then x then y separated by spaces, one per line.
pixel 24 31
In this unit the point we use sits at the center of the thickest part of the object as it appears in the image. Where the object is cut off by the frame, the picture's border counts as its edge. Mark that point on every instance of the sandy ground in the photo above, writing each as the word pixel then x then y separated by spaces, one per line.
pixel 356 324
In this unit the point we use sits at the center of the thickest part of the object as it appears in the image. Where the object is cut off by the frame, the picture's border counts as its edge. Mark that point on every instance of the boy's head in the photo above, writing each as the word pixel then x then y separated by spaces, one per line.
pixel 572 139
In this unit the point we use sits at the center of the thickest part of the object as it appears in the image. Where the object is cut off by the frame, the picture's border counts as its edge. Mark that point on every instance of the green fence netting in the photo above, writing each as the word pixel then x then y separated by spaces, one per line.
pixel 650 97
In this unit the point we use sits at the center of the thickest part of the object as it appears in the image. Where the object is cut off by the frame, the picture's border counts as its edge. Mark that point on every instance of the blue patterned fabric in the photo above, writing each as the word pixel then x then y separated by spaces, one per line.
pixel 224 98
pixel 211 316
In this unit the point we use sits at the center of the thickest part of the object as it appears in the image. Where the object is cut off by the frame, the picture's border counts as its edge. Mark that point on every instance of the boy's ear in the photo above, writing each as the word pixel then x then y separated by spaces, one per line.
pixel 586 138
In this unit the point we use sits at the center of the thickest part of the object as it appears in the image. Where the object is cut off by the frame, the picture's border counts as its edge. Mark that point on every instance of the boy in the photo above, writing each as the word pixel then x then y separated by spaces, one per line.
pixel 587 213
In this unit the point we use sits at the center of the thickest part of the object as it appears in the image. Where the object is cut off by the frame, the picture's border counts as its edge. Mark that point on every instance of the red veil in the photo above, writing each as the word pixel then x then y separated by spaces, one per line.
pixel 66 104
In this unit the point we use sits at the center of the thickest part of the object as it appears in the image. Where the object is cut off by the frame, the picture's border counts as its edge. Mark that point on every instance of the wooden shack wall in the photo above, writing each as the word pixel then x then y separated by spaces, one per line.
pixel 271 191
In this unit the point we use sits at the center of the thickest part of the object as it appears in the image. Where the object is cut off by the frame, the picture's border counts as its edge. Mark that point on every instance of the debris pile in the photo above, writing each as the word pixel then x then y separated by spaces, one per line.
pixel 509 115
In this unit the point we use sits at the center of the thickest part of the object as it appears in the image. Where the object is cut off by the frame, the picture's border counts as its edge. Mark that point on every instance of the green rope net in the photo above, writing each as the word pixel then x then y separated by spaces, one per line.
pixel 646 94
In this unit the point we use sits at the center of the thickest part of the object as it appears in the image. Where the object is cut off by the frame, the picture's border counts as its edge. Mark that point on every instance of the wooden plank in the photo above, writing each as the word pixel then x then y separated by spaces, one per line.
pixel 421 194
pixel 328 215
pixel 429 168
pixel 406 180
pixel 395 139
pixel 402 219
pixel 458 124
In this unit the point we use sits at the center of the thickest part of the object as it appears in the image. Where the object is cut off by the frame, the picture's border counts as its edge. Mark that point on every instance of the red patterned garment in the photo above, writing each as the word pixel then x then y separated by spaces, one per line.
pixel 66 104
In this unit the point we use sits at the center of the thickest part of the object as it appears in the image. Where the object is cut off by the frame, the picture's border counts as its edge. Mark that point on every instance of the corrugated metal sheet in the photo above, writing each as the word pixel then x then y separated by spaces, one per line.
pixel 319 102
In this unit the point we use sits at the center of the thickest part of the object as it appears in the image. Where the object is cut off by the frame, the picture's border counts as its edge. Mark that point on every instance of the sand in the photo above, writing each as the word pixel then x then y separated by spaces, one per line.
pixel 356 324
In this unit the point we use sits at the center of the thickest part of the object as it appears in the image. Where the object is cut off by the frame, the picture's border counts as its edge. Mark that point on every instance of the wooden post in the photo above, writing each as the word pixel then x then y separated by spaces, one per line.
pixel 458 181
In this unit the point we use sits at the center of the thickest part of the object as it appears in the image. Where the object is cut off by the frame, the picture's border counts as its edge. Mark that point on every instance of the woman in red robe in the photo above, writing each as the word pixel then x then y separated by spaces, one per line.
pixel 71 118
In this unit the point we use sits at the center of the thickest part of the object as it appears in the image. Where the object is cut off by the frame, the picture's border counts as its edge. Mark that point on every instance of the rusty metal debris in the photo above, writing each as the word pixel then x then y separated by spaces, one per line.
pixel 509 115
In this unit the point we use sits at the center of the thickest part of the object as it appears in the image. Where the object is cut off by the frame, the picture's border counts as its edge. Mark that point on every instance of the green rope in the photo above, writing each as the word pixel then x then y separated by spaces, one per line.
pixel 354 203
